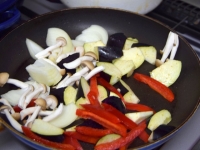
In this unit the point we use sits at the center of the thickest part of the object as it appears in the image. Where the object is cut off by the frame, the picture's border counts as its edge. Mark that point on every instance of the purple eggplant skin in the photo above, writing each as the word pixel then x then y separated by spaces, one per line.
pixel 91 123
pixel 115 102
pixel 108 53
pixel 58 93
pixel 54 138
pixel 140 45
pixel 161 131
pixel 120 86
pixel 79 92
pixel 105 76
pixel 117 40
pixel 70 58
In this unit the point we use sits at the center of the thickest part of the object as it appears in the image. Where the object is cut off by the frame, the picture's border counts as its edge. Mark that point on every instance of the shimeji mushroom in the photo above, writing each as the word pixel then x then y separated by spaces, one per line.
pixel 55 114
pixel 4 78
pixel 51 101
pixel 5 109
pixel 170 46
pixel 40 105
pixel 41 89
pixel 60 42
pixel 70 80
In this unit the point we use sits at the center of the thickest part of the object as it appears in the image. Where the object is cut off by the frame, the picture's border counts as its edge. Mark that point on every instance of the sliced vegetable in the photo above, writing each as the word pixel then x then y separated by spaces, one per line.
pixel 116 103
pixel 115 144
pixel 72 141
pixel 138 117
pixel 116 40
pixel 125 66
pixel 168 72
pixel 44 128
pixel 135 55
pixel 43 72
pixel 93 47
pixel 149 53
pixel 138 107
pixel 81 137
pixel 110 87
pixel 159 118
pixel 33 48
pixel 27 131
pixel 108 53
pixel 110 69
pixel 129 42
pixel 101 113
pixel 115 127
pixel 108 138
pixel 155 85
pixel 92 131
pixel 69 95
pixel 67 116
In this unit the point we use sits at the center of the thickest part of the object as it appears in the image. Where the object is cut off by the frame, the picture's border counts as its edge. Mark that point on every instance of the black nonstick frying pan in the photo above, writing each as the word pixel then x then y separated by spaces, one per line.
pixel 14 57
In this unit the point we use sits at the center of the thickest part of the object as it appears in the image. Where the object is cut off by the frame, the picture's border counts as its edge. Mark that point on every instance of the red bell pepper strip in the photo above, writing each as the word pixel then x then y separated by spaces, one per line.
pixel 18 109
pixel 115 127
pixel 27 131
pixel 144 136
pixel 93 99
pixel 138 107
pixel 107 85
pixel 93 131
pixel 72 141
pixel 101 112
pixel 81 137
pixel 93 86
pixel 126 121
pixel 155 85
pixel 123 140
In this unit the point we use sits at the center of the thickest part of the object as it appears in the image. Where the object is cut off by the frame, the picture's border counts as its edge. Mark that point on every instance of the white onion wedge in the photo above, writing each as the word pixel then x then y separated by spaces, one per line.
pixel 88 37
pixel 96 29
pixel 33 48
pixel 44 73
pixel 54 33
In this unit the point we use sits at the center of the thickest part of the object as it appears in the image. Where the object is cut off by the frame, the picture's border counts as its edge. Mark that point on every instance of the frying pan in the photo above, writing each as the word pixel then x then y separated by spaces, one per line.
pixel 14 57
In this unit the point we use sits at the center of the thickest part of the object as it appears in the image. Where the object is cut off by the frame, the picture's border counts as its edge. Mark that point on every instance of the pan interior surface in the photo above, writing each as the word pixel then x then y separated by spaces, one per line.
pixel 14 56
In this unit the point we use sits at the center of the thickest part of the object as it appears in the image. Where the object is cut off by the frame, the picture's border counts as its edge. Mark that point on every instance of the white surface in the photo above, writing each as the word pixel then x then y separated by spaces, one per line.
pixel 139 6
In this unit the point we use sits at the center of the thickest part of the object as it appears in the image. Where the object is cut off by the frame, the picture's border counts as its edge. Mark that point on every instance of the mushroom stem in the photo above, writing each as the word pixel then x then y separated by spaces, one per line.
pixel 55 114
pixel 12 121
pixel 73 78
pixel 23 96
pixel 63 56
pixel 168 47
pixel 60 41
pixel 51 101
pixel 77 62
pixel 33 116
pixel 175 46
pixel 41 89
pixel 5 102
pixel 31 110
pixel 94 71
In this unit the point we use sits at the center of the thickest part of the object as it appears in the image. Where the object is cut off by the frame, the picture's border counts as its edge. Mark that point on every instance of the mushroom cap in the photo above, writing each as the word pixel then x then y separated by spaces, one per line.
pixel 62 39
pixel 92 54
pixel 89 64
pixel 3 107
pixel 3 78
pixel 52 101
pixel 16 116
pixel 41 102
pixel 158 62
